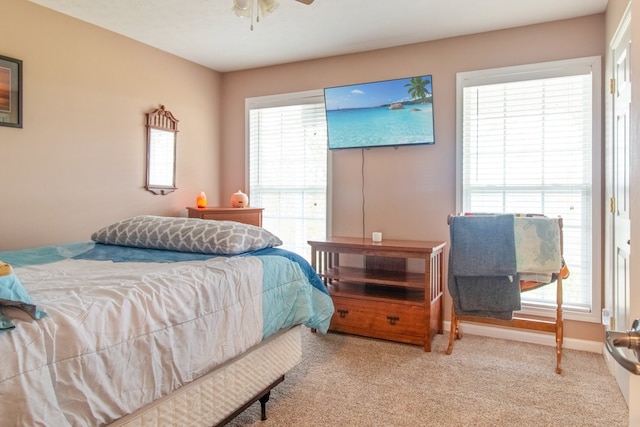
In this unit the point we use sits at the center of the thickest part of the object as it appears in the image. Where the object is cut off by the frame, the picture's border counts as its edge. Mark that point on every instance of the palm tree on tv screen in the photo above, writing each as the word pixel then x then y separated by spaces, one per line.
pixel 418 88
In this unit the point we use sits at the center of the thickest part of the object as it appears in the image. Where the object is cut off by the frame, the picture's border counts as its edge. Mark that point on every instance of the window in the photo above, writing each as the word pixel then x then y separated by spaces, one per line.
pixel 288 166
pixel 529 141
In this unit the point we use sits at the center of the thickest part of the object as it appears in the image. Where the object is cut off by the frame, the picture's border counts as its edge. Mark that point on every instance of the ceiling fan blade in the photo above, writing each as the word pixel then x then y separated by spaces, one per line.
pixel 305 1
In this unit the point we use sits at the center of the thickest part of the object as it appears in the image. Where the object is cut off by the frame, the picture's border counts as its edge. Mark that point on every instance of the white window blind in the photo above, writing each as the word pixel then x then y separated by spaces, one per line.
pixel 288 168
pixel 527 144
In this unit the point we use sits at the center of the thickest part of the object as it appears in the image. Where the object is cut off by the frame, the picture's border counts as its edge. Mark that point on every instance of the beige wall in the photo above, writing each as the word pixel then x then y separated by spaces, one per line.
pixel 411 190
pixel 79 161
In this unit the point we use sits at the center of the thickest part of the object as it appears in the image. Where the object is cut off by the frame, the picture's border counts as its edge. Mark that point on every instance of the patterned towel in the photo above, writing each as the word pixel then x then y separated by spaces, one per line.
pixel 537 242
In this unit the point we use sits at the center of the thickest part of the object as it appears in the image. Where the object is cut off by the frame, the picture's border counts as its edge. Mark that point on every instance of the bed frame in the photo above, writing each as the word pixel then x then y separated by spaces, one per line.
pixel 540 325
pixel 221 395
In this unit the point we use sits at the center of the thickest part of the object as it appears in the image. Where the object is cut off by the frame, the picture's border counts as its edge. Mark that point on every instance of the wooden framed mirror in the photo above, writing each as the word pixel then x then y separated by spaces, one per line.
pixel 162 133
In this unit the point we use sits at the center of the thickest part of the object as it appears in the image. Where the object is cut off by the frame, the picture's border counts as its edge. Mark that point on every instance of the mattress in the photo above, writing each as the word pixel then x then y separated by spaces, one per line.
pixel 210 399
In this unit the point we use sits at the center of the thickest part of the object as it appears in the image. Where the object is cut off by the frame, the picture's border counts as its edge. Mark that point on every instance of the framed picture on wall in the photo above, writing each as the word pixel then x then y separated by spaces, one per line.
pixel 10 92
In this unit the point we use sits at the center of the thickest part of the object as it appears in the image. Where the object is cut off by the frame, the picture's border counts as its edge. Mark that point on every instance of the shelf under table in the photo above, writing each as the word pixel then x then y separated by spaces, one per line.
pixel 370 291
pixel 389 278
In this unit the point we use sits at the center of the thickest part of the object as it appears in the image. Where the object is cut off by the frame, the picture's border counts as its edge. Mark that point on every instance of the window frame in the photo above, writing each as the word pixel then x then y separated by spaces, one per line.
pixel 537 71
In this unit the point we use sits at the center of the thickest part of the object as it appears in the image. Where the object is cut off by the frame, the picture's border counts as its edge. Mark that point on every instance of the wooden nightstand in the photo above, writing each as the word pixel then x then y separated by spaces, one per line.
pixel 252 216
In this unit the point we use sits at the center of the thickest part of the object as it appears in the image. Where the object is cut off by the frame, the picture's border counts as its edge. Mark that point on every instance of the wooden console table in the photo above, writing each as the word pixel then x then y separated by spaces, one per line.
pixel 382 299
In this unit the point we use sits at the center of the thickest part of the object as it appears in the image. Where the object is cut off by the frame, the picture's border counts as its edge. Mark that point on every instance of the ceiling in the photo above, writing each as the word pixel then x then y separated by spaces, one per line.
pixel 209 33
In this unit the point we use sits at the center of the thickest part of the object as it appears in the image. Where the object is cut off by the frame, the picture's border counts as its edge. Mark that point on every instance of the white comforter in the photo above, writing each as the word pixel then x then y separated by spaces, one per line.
pixel 120 335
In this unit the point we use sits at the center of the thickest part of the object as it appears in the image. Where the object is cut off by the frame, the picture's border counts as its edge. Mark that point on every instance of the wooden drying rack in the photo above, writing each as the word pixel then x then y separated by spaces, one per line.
pixel 539 325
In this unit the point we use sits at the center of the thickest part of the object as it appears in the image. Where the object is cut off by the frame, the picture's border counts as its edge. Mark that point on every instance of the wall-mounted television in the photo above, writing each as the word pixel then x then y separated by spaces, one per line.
pixel 380 114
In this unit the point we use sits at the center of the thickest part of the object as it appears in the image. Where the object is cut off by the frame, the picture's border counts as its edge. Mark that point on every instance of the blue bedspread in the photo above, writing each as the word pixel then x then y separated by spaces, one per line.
pixel 101 252
pixel 274 260
pixel 140 330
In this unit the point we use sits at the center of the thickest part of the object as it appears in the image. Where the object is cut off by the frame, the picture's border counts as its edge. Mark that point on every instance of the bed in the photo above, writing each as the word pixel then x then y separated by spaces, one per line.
pixel 154 321
pixel 493 259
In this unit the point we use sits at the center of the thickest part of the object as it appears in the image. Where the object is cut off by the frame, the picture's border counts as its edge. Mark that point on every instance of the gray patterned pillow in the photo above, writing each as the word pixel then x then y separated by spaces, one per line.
pixel 186 235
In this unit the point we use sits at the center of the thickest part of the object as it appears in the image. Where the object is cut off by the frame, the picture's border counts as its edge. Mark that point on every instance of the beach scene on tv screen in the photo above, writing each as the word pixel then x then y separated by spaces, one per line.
pixel 386 113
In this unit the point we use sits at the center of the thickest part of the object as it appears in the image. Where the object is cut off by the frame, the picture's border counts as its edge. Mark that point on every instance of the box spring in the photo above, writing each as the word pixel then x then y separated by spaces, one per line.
pixel 213 397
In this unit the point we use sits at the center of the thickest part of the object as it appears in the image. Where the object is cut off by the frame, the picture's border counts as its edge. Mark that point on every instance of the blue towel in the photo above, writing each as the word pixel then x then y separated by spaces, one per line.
pixel 496 297
pixel 483 245
pixel 482 266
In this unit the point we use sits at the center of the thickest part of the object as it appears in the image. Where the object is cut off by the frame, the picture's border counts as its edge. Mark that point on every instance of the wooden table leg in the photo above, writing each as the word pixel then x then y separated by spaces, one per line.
pixel 454 331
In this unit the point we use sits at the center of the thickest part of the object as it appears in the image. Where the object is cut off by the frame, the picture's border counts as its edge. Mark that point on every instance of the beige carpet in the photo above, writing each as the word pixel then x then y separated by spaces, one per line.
pixel 351 381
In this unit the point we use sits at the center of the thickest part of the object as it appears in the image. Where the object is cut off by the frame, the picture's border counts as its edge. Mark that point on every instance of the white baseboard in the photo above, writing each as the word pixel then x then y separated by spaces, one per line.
pixel 543 338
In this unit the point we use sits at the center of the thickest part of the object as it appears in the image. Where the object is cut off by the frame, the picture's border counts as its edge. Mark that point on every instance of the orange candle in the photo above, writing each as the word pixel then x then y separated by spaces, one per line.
pixel 201 200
